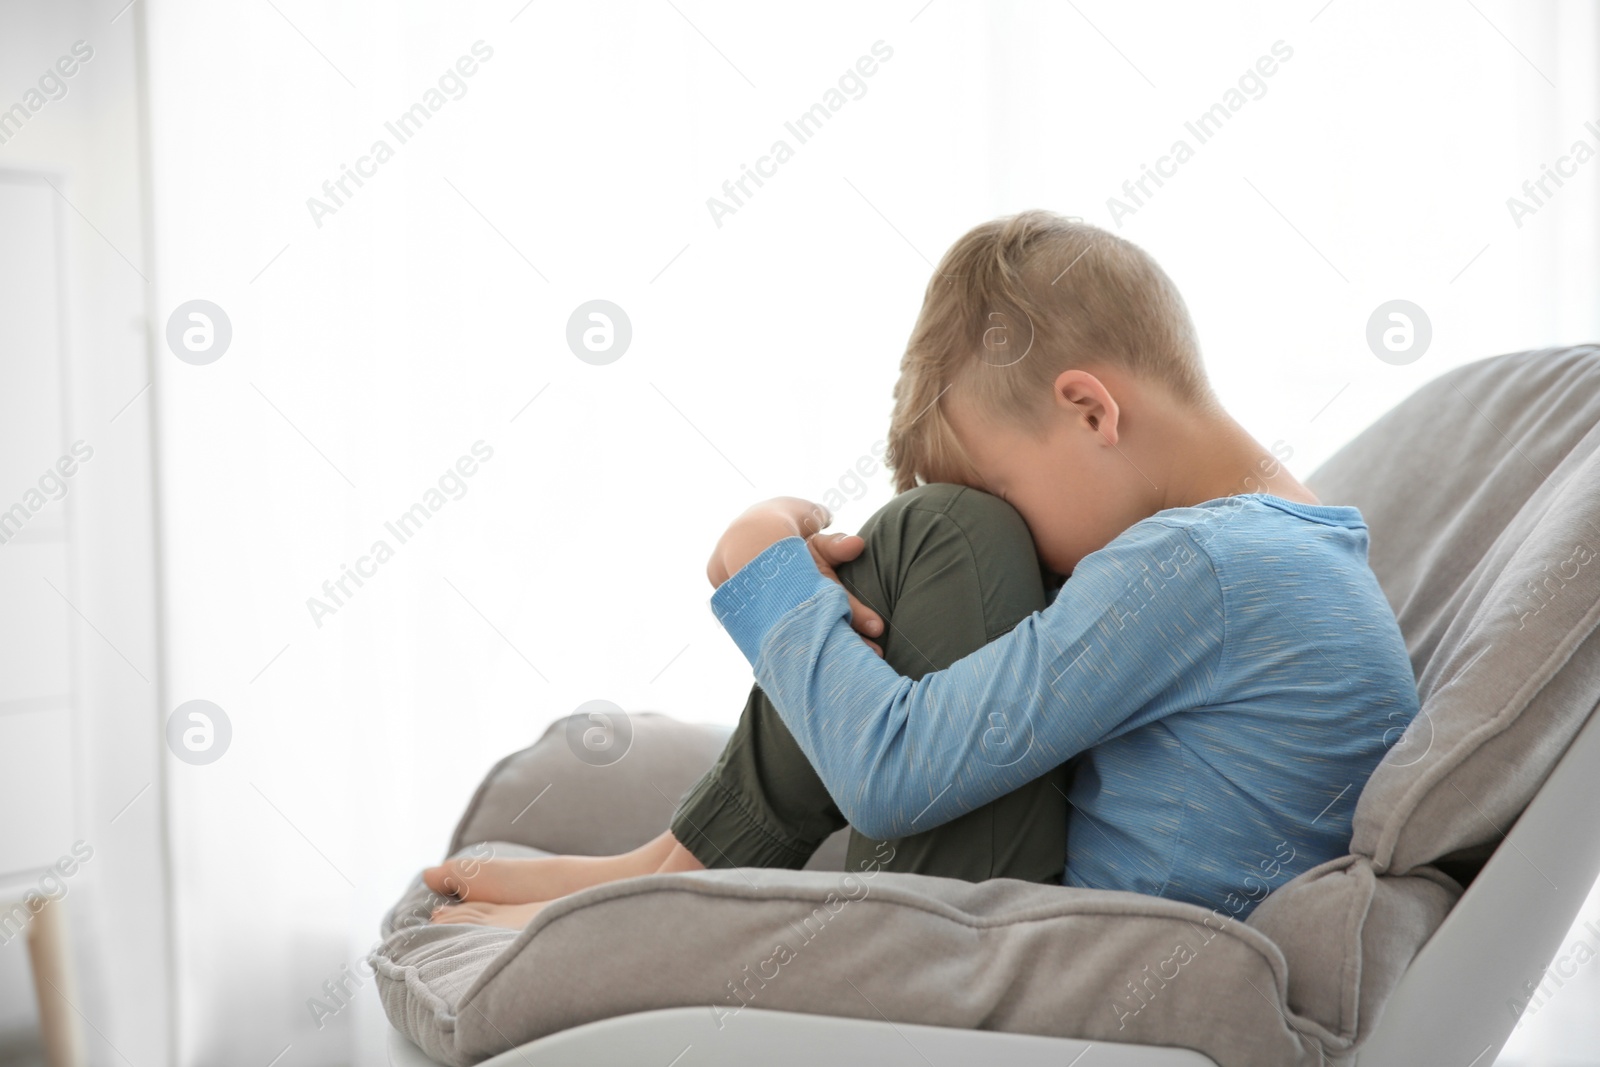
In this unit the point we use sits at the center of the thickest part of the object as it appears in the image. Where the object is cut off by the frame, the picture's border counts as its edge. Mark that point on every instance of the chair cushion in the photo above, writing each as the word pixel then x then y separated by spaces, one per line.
pixel 998 955
pixel 1002 955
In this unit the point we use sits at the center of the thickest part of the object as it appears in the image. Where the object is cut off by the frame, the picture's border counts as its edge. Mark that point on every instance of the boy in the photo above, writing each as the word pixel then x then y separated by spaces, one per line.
pixel 1220 666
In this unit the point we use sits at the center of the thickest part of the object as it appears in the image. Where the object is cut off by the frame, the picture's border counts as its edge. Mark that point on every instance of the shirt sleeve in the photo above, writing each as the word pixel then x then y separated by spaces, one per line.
pixel 1139 619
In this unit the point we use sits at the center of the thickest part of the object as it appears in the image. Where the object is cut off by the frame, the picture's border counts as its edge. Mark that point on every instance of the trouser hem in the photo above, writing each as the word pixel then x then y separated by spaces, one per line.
pixel 719 830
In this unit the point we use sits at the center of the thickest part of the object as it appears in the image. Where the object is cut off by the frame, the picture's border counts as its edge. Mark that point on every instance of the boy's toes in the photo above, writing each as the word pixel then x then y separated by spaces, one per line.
pixel 450 879
pixel 510 916
pixel 458 913
pixel 441 879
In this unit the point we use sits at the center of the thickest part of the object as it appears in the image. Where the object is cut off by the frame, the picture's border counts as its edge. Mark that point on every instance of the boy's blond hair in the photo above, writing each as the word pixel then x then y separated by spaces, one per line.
pixel 1015 302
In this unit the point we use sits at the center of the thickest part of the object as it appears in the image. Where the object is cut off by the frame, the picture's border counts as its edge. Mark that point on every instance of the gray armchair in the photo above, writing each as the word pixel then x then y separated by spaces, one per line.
pixel 1474 842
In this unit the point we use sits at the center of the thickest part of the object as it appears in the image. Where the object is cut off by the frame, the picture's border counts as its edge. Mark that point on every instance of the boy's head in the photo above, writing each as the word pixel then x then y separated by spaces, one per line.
pixel 1041 343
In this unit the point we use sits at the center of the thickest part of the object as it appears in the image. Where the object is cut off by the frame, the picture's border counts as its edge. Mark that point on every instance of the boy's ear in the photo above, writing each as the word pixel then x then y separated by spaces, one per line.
pixel 1091 402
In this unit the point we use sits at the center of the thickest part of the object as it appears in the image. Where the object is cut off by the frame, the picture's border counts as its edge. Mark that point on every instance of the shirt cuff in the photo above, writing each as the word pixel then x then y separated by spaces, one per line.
pixel 777 581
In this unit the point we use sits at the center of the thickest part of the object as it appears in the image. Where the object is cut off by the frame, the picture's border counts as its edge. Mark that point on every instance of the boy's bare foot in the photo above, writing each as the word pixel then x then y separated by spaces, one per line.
pixel 527 881
pixel 510 916
pixel 544 878
pixel 510 892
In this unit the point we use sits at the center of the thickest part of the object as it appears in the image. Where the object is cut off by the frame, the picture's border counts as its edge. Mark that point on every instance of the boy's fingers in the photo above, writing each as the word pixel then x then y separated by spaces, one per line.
pixel 863 619
pixel 828 550
pixel 839 548
pixel 812 517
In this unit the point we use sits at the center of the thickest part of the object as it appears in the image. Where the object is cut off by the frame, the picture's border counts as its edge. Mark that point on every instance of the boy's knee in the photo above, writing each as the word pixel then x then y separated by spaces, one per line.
pixel 937 496
pixel 979 516
pixel 947 543
pixel 977 513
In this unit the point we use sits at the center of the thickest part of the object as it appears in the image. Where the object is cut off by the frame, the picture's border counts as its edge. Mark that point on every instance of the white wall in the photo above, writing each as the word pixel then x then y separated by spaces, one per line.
pixel 89 142
pixel 371 351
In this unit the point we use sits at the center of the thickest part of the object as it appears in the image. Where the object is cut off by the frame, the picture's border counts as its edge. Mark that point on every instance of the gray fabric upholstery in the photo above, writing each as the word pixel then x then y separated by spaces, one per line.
pixel 1482 492
pixel 550 797
pixel 1494 606
pixel 1001 955
pixel 424 972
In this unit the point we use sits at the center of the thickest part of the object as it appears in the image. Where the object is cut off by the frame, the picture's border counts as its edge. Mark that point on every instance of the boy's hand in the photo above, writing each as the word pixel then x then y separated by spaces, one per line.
pixel 771 521
pixel 760 526
pixel 827 552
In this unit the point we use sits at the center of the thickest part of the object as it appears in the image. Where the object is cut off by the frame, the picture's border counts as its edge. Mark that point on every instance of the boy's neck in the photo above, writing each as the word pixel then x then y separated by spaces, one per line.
pixel 1211 456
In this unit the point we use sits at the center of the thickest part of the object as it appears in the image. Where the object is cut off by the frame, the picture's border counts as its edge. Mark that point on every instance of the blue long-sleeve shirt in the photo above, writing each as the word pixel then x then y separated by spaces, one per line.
pixel 1229 675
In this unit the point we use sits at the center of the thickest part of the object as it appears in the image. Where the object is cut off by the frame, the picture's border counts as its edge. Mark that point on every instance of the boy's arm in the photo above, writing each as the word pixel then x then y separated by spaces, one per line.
pixel 1138 618
pixel 790 516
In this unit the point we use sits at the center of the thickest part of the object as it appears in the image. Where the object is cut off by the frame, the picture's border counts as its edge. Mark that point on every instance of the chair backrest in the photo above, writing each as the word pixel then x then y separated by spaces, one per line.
pixel 1498 599
pixel 1482 494
pixel 1497 958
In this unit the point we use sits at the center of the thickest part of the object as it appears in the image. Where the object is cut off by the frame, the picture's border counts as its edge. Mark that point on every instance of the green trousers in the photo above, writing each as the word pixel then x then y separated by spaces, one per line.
pixel 949 569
